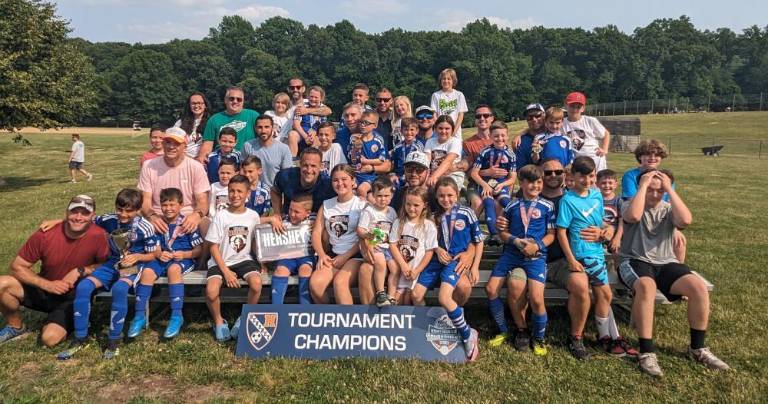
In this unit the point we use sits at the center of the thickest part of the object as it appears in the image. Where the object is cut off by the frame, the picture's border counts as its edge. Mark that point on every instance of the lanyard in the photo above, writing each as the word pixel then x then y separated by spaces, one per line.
pixel 525 217
pixel 170 238
pixel 448 229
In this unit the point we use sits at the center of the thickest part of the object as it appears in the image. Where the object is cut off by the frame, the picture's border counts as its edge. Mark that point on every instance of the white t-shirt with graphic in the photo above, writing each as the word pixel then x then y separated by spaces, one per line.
pixel 194 139
pixel 333 157
pixel 281 125
pixel 218 199
pixel 413 243
pixel 438 151
pixel 451 104
pixel 233 232
pixel 78 151
pixel 341 219
pixel 372 218
pixel 586 134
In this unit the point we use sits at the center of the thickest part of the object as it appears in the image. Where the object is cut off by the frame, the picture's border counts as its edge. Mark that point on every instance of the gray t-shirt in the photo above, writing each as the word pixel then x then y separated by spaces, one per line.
pixel 274 158
pixel 78 152
pixel 650 240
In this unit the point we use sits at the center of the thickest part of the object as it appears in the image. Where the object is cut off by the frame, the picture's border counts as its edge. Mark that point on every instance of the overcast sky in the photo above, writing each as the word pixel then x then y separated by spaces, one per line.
pixel 154 21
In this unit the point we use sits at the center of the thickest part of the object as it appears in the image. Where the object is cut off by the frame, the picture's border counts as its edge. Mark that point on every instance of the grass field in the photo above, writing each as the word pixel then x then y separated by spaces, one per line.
pixel 726 243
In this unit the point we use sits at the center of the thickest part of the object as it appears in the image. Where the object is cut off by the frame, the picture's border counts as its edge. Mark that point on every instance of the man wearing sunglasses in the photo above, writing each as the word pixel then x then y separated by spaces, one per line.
pixel 523 143
pixel 484 117
pixel 384 108
pixel 425 115
pixel 234 116
pixel 299 104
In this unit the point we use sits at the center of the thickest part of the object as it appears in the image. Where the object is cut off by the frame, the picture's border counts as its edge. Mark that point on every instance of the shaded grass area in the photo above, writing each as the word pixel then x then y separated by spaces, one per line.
pixel 726 243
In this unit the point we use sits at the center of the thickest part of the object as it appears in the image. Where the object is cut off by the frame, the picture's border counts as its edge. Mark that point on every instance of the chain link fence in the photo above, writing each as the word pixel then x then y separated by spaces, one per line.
pixel 715 103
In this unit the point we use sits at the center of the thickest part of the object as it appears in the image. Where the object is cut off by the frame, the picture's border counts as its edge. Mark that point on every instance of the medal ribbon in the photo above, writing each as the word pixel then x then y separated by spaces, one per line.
pixel 177 231
pixel 525 216
pixel 448 229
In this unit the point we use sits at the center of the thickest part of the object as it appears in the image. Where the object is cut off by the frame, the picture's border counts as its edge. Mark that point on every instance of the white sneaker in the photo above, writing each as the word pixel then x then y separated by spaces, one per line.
pixel 90 177
pixel 706 357
pixel 470 345
pixel 650 364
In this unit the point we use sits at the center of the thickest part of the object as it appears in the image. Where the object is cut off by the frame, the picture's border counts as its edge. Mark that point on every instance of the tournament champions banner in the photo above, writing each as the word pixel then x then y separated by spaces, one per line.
pixel 331 331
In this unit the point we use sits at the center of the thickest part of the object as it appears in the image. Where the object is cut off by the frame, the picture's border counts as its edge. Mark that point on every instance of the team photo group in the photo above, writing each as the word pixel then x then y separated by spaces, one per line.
pixel 397 202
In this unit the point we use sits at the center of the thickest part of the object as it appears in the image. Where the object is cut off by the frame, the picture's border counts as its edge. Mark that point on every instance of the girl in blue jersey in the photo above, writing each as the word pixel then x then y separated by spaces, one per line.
pixel 458 229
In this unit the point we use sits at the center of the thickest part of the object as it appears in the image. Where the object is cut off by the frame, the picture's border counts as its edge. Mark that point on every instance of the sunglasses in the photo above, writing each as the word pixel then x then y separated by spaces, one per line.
pixel 413 168
pixel 484 116
pixel 78 199
pixel 548 173
pixel 295 87
pixel 424 116
pixel 235 99
pixel 366 123
pixel 533 116
pixel 383 99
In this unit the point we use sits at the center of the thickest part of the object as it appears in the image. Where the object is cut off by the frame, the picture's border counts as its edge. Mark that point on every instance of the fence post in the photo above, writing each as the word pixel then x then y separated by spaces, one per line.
pixel 652 106
pixel 760 150
pixel 637 108
pixel 669 145
pixel 625 107
pixel 733 103
pixel 709 101
pixel 761 101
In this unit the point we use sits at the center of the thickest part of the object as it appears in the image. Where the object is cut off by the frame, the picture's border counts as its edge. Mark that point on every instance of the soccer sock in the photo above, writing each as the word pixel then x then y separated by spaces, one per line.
pixel 304 297
pixel 82 307
pixel 697 338
pixel 119 309
pixel 497 311
pixel 457 317
pixel 489 205
pixel 176 293
pixel 279 286
pixel 143 292
pixel 539 325
pixel 613 328
pixel 645 345
pixel 602 326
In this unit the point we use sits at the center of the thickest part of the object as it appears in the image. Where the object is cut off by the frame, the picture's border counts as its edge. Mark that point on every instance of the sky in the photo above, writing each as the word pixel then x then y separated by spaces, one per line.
pixel 158 21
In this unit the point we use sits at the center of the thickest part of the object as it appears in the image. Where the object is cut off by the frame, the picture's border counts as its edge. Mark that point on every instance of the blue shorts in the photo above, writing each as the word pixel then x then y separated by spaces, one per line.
pixel 160 268
pixel 535 269
pixel 108 275
pixel 596 270
pixel 436 272
pixel 385 251
pixel 293 264
pixel 367 177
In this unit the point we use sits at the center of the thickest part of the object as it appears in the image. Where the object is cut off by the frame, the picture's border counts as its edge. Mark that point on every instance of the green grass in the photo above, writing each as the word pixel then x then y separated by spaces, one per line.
pixel 726 243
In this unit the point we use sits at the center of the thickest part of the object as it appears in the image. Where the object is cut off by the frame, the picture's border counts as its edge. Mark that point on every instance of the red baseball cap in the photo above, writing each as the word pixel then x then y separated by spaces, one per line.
pixel 576 98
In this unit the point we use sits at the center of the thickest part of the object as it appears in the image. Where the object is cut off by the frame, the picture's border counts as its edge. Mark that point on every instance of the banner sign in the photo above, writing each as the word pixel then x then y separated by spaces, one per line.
pixel 332 331
pixel 272 246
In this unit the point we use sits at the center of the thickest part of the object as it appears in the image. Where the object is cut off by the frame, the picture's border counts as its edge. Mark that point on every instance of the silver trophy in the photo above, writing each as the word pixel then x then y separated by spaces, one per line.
pixel 121 239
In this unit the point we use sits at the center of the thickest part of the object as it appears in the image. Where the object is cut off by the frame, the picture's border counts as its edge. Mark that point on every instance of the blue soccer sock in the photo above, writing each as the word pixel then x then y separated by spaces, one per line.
pixel 279 286
pixel 119 309
pixel 176 293
pixel 457 317
pixel 143 293
pixel 539 325
pixel 304 297
pixel 497 311
pixel 489 205
pixel 82 307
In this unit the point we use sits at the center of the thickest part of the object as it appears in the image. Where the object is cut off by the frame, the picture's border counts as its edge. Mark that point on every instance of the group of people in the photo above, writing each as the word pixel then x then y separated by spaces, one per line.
pixel 394 198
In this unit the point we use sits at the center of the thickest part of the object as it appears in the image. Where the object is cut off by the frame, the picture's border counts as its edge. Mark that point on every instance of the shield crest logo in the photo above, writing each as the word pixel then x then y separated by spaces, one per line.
pixel 261 328
pixel 441 333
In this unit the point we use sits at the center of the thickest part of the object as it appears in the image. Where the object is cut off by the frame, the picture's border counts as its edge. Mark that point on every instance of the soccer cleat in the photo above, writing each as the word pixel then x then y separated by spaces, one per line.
pixel 112 351
pixel 235 329
pixel 174 327
pixel 471 345
pixel 611 347
pixel 522 340
pixel 499 339
pixel 621 342
pixel 8 333
pixel 539 348
pixel 382 299
pixel 706 357
pixel 221 332
pixel 75 346
pixel 576 346
pixel 650 364
pixel 138 324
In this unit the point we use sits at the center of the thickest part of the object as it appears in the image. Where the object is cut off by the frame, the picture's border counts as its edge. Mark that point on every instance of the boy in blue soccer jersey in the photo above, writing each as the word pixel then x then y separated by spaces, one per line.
pixel 259 198
pixel 497 155
pixel 366 152
pixel 299 211
pixel 116 274
pixel 582 207
pixel 531 230
pixel 305 126
pixel 458 229
pixel 552 143
pixel 178 251
pixel 227 143
pixel 410 131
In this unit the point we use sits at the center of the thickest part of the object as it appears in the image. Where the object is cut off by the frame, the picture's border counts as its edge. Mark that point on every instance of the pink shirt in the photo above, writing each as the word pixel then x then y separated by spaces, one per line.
pixel 148 155
pixel 189 177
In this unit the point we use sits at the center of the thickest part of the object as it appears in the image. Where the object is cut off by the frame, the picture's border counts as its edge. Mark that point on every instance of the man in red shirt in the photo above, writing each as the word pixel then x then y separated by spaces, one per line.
pixel 484 117
pixel 67 252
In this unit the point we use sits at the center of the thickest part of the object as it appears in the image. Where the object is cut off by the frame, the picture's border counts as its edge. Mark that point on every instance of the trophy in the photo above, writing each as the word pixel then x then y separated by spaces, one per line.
pixel 122 241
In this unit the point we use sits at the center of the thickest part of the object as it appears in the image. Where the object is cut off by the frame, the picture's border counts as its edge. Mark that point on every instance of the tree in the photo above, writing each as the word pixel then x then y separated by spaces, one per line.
pixel 45 81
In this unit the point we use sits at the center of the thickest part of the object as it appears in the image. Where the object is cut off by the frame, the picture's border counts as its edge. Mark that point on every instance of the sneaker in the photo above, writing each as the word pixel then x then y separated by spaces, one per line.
pixel 628 349
pixel 649 364
pixel 470 345
pixel 75 346
pixel 382 299
pixel 233 333
pixel 522 340
pixel 112 351
pixel 138 324
pixel 90 177
pixel 221 332
pixel 539 348
pixel 8 333
pixel 499 339
pixel 576 346
pixel 73 181
pixel 174 327
pixel 706 357
pixel 611 347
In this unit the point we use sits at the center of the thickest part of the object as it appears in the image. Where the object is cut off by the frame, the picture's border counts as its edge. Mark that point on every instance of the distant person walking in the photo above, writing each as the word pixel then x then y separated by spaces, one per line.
pixel 77 159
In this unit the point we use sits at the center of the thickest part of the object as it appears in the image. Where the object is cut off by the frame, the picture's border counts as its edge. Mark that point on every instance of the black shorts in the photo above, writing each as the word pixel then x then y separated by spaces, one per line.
pixel 75 165
pixel 242 270
pixel 58 307
pixel 630 270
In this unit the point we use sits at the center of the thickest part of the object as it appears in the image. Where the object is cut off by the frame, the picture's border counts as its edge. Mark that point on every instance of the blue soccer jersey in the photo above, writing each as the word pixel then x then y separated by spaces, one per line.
pixel 176 240
pixel 371 149
pixel 458 228
pixel 556 146
pixel 499 158
pixel 400 152
pixel 540 216
pixel 141 236
pixel 309 121
pixel 577 213
pixel 214 158
pixel 259 199
pixel 523 152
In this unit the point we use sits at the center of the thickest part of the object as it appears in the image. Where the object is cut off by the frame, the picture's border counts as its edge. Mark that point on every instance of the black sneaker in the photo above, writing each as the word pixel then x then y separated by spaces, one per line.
pixel 576 346
pixel 382 299
pixel 522 340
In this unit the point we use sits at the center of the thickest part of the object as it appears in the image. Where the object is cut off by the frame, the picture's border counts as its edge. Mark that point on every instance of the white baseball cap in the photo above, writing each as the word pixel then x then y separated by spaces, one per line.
pixel 417 157
pixel 176 134
pixel 82 201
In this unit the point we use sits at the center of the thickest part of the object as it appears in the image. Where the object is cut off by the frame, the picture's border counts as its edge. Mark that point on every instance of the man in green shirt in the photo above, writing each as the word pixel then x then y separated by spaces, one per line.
pixel 242 120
